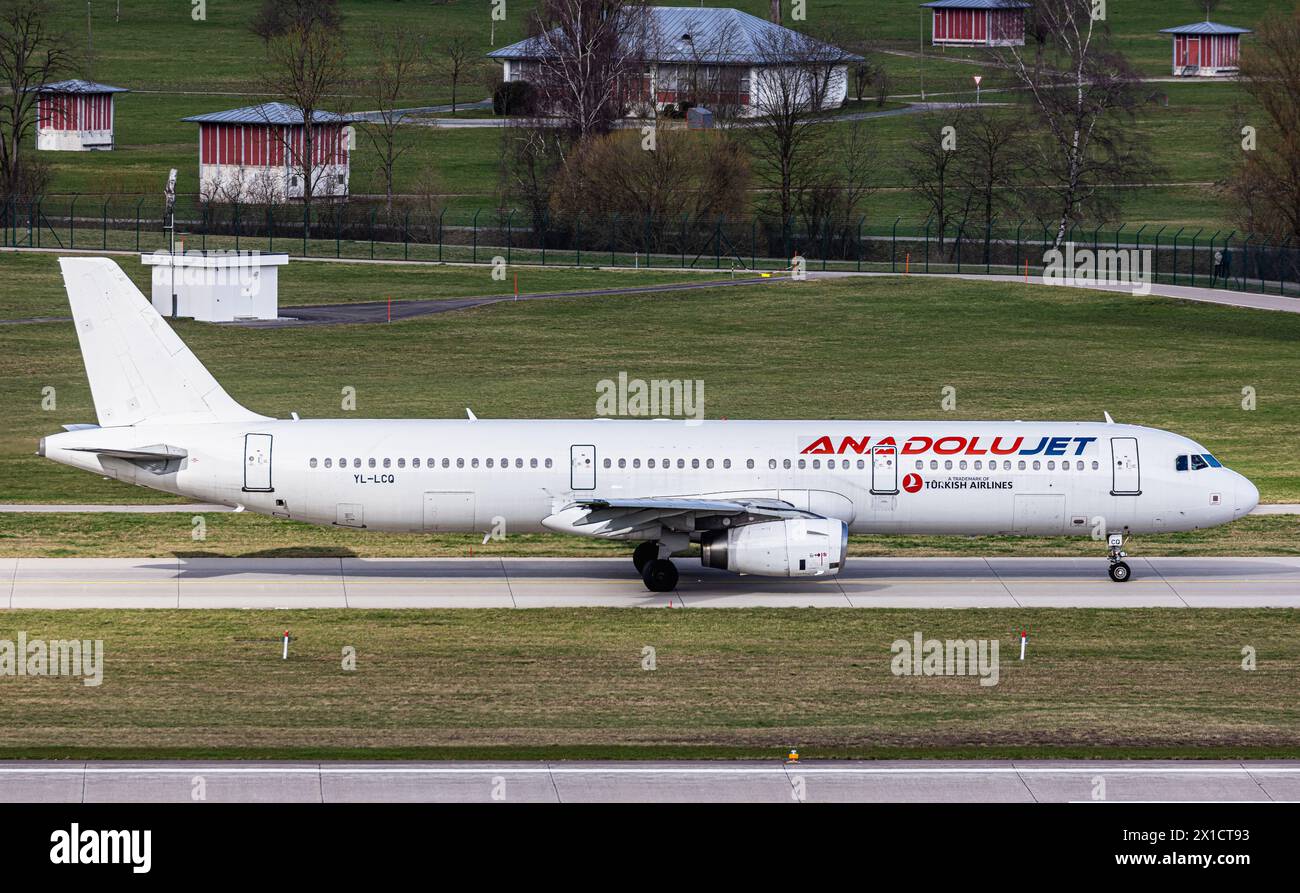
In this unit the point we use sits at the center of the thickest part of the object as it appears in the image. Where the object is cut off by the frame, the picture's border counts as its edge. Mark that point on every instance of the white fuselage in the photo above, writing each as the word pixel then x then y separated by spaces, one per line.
pixel 954 477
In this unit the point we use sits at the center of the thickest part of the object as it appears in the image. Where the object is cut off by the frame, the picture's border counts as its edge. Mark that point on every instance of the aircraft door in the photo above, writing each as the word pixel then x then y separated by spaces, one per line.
pixel 257 463
pixel 1127 480
pixel 884 470
pixel 582 475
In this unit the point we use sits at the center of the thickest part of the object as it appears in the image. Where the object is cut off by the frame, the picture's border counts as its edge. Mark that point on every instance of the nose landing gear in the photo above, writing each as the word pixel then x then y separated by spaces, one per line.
pixel 1120 572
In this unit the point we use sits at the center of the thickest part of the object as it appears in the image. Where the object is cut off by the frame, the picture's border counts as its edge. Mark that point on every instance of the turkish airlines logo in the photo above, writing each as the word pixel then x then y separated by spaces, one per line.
pixel 912 483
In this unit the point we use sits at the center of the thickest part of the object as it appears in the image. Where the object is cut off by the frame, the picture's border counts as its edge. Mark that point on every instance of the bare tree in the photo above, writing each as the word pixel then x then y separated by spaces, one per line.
pixel 32 53
pixel 1265 184
pixel 689 177
pixel 397 55
pixel 276 18
pixel 457 50
pixel 990 166
pixel 931 167
pixel 305 65
pixel 586 54
pixel 1085 98
pixel 831 196
pixel 797 76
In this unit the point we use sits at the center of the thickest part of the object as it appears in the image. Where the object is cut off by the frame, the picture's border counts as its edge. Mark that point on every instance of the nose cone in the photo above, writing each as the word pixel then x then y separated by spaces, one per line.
pixel 1246 496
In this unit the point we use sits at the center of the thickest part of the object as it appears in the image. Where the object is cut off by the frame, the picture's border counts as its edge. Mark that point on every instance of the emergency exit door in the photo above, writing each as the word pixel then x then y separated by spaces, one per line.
pixel 1127 480
pixel 884 470
pixel 257 463
pixel 582 473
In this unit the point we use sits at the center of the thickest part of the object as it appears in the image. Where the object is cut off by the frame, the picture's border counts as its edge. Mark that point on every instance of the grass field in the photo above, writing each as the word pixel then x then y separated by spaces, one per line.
pixel 569 684
pixel 878 348
pixel 229 535
pixel 151 51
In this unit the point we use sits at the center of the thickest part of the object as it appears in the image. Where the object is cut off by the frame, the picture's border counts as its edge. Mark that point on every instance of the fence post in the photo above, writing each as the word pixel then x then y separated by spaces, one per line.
pixel 613 225
pixel 1281 266
pixel 373 211
pixel 1018 228
pixel 475 255
pixel 1176 235
pixel 858 244
pixel 406 235
pixel 753 243
pixel 72 218
pixel 441 214
pixel 1155 275
pixel 103 214
pixel 961 230
pixel 893 247
pixel 577 242
pixel 546 232
pixel 717 243
pixel 1193 264
pixel 1227 262
pixel 682 242
pixel 137 223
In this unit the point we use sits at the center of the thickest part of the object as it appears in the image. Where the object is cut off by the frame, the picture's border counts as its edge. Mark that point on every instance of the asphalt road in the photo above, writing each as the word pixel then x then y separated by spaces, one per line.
pixel 611 582
pixel 606 782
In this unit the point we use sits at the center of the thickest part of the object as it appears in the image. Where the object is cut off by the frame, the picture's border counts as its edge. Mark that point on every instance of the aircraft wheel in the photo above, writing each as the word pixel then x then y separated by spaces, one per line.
pixel 644 554
pixel 660 575
pixel 1120 572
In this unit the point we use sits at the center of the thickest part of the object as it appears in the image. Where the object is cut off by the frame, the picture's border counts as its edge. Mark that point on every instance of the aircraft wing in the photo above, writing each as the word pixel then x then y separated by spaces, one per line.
pixel 632 518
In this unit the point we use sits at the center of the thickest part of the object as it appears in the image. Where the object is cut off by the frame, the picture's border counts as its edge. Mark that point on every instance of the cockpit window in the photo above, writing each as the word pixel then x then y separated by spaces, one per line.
pixel 1198 463
pixel 1180 463
pixel 1214 463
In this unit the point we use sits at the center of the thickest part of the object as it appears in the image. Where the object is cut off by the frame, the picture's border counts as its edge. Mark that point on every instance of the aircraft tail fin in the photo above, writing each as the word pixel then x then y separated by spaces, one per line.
pixel 139 369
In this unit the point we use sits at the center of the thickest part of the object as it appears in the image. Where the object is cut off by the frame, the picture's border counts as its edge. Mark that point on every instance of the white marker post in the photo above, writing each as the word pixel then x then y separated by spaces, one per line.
pixel 1024 638
pixel 286 647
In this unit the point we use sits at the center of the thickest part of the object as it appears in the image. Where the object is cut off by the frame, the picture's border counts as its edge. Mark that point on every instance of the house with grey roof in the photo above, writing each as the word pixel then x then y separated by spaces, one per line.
pixel 259 153
pixel 725 59
pixel 1206 49
pixel 75 116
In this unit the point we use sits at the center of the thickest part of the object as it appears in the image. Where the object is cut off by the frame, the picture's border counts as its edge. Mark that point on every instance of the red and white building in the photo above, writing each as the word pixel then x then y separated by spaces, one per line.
pixel 1206 49
pixel 75 116
pixel 258 154
pixel 993 23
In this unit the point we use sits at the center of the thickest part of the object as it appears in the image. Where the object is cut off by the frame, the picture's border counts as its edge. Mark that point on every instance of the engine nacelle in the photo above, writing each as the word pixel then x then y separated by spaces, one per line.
pixel 799 547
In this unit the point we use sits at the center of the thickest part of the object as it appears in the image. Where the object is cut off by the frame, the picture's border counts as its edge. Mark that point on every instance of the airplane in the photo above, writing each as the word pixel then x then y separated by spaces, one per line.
pixel 769 498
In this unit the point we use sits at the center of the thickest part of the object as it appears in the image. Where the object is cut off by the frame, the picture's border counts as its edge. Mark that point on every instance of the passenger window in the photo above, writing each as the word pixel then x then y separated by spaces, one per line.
pixel 1020 466
pixel 862 464
pixel 473 463
pixel 771 463
pixel 548 463
pixel 329 463
pixel 607 463
pixel 489 463
pixel 401 463
pixel 415 463
pixel 356 462
pixel 947 465
pixel 1037 465
pixel 681 463
pixel 708 463
pixel 1051 465
pixel 695 463
pixel 785 463
pixel 312 463
pixel 1198 463
pixel 1095 465
pixel 803 463
pixel 622 463
pixel 460 463
pixel 371 463
pixel 446 463
pixel 1180 464
pixel 519 463
pixel 650 463
pixel 532 463
pixel 962 464
pixel 817 463
pixel 636 463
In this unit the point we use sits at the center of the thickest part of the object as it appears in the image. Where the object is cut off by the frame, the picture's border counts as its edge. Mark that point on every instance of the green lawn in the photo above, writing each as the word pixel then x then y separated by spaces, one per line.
pixel 242 535
pixel 557 684
pixel 875 348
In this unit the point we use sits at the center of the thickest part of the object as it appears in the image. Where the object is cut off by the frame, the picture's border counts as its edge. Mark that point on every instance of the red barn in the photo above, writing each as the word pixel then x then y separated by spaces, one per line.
pixel 1206 49
pixel 75 116
pixel 977 22
pixel 258 153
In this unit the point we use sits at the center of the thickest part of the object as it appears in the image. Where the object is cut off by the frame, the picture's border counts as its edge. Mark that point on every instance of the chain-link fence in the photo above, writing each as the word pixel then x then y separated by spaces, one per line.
pixel 1163 253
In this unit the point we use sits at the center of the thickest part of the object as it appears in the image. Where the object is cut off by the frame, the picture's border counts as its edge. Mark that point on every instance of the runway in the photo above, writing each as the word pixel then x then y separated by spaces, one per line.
pixel 627 782
pixel 40 583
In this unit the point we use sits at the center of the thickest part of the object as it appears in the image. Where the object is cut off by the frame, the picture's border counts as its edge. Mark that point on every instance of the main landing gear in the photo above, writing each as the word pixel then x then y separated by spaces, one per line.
pixel 652 563
pixel 1120 572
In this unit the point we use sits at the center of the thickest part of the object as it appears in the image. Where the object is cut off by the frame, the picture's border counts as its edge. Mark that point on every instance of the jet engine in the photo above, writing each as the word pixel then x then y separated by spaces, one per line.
pixel 798 547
